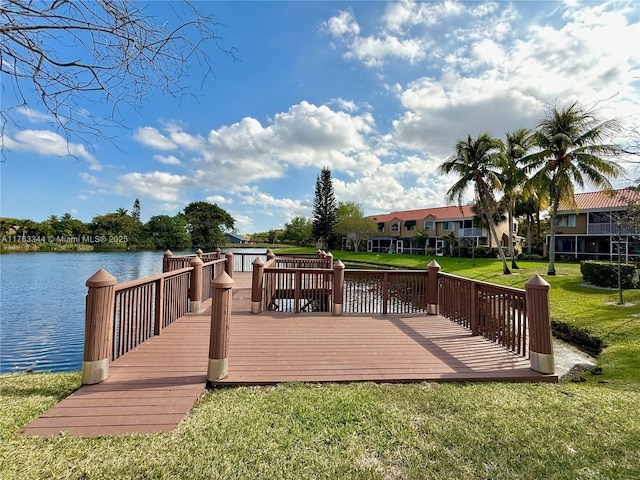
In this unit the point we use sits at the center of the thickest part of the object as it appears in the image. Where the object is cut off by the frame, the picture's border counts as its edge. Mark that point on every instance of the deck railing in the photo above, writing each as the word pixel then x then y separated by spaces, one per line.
pixel 143 307
pixel 495 312
pixel 119 317
pixel 385 291
pixel 516 319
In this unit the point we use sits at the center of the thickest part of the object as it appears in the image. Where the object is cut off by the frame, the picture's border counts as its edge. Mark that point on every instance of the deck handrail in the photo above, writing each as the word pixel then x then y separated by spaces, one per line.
pixel 495 312
pixel 121 316
pixel 517 319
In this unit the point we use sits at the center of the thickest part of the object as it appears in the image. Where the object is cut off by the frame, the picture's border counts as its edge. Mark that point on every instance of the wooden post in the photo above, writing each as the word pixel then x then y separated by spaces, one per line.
pixel 329 259
pixel 218 253
pixel 270 255
pixel 195 285
pixel 159 312
pixel 540 339
pixel 220 317
pixel 199 253
pixel 165 261
pixel 338 287
pixel 257 285
pixel 98 327
pixel 433 307
pixel 229 266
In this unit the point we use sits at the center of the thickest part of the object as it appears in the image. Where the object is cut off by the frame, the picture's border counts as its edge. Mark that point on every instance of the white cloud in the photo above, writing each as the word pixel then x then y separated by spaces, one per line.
pixel 374 51
pixel 33 116
pixel 218 199
pixel 283 208
pixel 151 137
pixel 400 15
pixel 341 24
pixel 90 179
pixel 247 152
pixel 495 86
pixel 168 159
pixel 48 143
pixel 161 186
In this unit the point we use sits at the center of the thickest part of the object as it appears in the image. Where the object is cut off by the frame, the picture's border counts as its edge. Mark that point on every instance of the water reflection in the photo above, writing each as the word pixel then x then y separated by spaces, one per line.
pixel 42 298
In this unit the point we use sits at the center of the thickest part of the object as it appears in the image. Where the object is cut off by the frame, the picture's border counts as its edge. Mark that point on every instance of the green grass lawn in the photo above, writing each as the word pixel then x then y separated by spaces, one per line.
pixel 585 430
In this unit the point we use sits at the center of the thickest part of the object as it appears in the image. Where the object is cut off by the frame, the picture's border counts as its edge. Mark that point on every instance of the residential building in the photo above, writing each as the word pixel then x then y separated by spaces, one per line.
pixel 234 238
pixel 396 230
pixel 597 226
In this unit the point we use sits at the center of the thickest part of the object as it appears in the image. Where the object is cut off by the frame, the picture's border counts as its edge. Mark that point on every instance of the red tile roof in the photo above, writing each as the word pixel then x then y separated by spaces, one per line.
pixel 438 213
pixel 601 200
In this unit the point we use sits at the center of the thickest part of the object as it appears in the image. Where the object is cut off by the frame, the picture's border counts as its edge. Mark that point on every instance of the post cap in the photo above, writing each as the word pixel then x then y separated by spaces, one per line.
pixel 168 253
pixel 338 264
pixel 433 264
pixel 258 261
pixel 196 261
pixel 537 282
pixel 101 278
pixel 223 281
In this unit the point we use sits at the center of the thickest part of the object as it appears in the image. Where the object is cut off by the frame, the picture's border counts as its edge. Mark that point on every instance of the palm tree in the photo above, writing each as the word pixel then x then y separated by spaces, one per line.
pixel 477 162
pixel 518 143
pixel 572 152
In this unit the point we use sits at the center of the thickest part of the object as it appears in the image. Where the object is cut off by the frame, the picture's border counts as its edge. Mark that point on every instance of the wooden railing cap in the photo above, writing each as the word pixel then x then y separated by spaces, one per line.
pixel 223 281
pixel 196 260
pixel 338 264
pixel 168 253
pixel 537 282
pixel 101 278
pixel 258 261
pixel 433 264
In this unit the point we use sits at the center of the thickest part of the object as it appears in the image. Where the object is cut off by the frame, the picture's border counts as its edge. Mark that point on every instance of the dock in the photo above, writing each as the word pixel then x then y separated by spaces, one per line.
pixel 154 386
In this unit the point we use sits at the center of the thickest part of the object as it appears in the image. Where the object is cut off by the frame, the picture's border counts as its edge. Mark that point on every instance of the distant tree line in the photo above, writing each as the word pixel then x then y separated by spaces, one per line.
pixel 199 225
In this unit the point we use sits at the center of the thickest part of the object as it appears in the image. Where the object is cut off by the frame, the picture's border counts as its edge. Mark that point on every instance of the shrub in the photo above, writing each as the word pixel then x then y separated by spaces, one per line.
pixel 605 274
pixel 485 252
pixel 529 256
pixel 578 337
pixel 464 251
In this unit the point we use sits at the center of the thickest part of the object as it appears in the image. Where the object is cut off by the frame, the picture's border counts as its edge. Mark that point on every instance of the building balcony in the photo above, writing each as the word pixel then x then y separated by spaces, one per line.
pixel 472 232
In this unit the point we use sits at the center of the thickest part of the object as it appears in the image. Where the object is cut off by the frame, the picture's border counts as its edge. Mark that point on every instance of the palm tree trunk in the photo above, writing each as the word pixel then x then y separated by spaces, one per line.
pixel 529 233
pixel 514 265
pixel 552 246
pixel 492 232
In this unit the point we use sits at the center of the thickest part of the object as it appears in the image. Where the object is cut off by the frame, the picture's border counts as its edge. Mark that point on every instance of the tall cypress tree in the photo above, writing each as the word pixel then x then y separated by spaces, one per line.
pixel 325 210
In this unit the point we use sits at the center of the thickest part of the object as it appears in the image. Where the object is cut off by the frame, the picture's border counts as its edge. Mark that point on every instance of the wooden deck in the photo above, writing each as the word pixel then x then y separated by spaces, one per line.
pixel 153 387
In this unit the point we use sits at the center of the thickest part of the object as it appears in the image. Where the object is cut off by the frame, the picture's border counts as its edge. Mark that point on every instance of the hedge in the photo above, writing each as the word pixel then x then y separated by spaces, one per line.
pixel 605 274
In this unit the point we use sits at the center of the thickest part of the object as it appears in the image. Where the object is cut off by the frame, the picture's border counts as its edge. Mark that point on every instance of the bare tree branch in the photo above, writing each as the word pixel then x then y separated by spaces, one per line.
pixel 66 52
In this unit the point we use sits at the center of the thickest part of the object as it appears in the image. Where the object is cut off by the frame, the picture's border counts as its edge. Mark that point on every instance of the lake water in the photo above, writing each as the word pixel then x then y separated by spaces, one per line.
pixel 42 303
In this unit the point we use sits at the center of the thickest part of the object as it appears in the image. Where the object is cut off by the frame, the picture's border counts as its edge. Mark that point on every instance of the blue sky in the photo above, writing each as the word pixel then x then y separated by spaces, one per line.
pixel 377 92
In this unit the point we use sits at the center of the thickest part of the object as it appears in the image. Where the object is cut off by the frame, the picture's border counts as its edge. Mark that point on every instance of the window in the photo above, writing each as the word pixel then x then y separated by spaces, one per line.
pixel 566 220
pixel 410 225
pixel 565 245
pixel 395 227
pixel 429 225
pixel 599 217
pixel 448 226
pixel 381 227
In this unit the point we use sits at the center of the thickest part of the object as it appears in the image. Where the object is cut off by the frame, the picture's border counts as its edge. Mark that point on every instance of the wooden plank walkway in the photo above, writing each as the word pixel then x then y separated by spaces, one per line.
pixel 153 387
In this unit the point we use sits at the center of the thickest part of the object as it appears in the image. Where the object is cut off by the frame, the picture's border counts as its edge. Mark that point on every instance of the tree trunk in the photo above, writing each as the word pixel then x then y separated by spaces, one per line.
pixel 552 246
pixel 514 265
pixel 492 232
pixel 529 233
